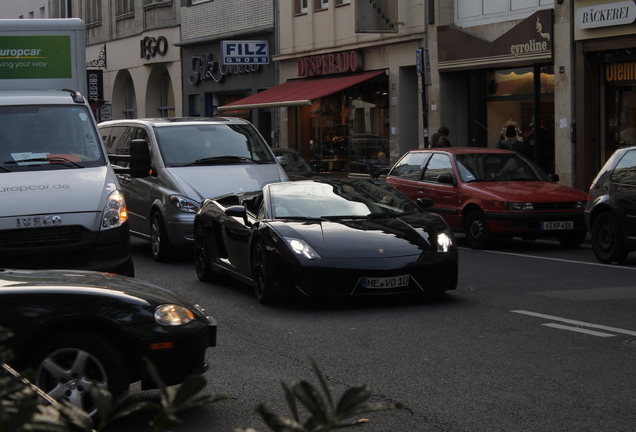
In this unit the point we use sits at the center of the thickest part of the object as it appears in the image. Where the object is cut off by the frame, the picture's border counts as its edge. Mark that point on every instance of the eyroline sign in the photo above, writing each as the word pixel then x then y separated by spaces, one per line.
pixel 35 57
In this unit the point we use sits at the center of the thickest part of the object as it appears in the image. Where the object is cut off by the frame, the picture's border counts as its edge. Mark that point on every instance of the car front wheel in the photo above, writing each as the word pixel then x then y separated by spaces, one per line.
pixel 202 263
pixel 69 364
pixel 262 275
pixel 478 235
pixel 607 239
pixel 159 238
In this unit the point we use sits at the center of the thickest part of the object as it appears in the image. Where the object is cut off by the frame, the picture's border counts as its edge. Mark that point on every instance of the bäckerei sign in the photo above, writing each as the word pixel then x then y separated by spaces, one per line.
pixel 605 15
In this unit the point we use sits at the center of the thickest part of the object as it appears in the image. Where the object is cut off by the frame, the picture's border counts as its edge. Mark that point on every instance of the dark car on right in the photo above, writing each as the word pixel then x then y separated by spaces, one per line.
pixel 611 214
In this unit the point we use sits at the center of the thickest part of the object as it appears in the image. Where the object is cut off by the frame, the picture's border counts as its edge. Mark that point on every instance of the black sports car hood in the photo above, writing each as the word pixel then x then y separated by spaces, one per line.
pixel 89 283
pixel 364 238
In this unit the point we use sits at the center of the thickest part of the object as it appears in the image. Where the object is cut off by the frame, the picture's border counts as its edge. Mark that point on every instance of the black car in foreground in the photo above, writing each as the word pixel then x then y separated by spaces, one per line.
pixel 80 329
pixel 325 238
pixel 611 215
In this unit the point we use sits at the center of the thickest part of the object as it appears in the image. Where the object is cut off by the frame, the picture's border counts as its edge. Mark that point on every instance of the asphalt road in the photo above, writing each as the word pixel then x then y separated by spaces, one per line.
pixel 535 338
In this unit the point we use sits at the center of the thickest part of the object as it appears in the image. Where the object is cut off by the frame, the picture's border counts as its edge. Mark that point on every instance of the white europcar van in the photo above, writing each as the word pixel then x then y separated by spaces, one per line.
pixel 189 159
pixel 61 203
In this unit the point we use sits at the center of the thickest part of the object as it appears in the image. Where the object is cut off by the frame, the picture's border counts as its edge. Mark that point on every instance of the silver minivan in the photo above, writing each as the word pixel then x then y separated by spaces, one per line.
pixel 189 159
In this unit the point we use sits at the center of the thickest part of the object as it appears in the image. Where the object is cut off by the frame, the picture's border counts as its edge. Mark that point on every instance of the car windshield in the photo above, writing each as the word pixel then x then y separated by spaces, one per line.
pixel 294 163
pixel 334 199
pixel 497 167
pixel 36 138
pixel 211 144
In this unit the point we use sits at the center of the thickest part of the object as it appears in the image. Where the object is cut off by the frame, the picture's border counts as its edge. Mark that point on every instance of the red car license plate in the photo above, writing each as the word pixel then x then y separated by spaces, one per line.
pixel 386 282
pixel 557 225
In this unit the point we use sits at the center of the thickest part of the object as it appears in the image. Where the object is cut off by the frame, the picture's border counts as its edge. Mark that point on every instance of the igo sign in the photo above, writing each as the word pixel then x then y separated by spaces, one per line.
pixel 244 52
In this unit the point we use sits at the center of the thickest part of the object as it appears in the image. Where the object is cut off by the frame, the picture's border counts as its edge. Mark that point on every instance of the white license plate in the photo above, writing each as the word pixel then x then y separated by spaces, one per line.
pixel 557 225
pixel 386 282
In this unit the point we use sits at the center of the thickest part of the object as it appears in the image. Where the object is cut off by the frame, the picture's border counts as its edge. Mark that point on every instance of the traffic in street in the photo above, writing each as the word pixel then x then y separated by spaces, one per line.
pixel 536 337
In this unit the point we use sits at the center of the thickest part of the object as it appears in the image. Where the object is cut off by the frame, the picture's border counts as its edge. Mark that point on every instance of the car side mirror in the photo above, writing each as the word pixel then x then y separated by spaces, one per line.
pixel 425 203
pixel 554 177
pixel 238 211
pixel 140 164
pixel 447 179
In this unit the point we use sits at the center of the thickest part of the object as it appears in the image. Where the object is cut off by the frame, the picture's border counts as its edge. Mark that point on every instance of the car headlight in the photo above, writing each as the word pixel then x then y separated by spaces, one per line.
pixel 114 213
pixel 173 315
pixel 445 241
pixel 184 204
pixel 519 206
pixel 300 247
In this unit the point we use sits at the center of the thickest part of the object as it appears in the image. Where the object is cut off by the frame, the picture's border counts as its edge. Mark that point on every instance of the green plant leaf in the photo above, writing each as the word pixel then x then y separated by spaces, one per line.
pixel 278 423
pixel 352 399
pixel 311 399
pixel 323 383
pixel 291 402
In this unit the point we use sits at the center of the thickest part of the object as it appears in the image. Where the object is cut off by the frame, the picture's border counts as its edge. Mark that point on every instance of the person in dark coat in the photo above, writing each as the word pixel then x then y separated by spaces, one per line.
pixel 512 140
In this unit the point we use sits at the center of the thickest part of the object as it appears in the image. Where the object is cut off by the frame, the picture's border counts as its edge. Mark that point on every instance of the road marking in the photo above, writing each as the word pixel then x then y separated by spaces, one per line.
pixel 614 266
pixel 579 330
pixel 576 323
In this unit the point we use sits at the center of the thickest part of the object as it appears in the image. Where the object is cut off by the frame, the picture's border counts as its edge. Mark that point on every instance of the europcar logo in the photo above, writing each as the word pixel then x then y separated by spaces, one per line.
pixel 35 57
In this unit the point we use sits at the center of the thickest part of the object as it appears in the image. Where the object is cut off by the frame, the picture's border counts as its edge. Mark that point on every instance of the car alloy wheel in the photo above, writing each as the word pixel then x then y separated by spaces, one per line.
pixel 70 364
pixel 262 275
pixel 202 255
pixel 607 239
pixel 159 238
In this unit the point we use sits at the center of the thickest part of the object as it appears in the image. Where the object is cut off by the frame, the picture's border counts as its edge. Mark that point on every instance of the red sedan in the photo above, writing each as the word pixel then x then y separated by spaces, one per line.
pixel 489 193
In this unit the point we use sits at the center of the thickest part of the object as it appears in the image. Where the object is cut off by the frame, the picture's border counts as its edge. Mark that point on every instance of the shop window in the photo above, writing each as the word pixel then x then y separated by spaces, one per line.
pixel 511 99
pixel 619 106
pixel 93 12
pixel 349 131
pixel 300 7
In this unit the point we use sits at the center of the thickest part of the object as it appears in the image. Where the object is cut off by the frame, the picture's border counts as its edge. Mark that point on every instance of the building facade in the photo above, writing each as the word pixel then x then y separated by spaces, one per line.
pixel 347 97
pixel 605 52
pixel 208 82
pixel 134 64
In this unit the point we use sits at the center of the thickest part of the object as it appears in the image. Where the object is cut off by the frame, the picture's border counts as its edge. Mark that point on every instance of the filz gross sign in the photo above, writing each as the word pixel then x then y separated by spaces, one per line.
pixel 244 52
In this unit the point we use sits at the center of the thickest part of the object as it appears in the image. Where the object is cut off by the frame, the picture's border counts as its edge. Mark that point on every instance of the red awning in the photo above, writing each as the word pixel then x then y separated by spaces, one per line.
pixel 298 92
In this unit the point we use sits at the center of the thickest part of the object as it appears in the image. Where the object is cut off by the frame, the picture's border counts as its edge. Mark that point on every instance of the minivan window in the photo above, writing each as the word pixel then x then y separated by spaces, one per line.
pixel 48 137
pixel 625 171
pixel 182 145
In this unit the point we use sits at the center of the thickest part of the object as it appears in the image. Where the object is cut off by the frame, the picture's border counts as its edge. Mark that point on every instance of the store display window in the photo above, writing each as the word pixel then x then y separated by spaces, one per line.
pixel 349 130
pixel 620 107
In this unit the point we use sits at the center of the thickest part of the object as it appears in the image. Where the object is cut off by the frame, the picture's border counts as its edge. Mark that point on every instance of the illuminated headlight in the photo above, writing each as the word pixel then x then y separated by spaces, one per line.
pixel 115 212
pixel 173 315
pixel 184 204
pixel 300 247
pixel 444 241
pixel 513 206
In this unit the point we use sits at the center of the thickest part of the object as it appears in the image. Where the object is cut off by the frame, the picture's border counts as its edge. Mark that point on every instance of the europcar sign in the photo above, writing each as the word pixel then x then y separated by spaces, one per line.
pixel 35 57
